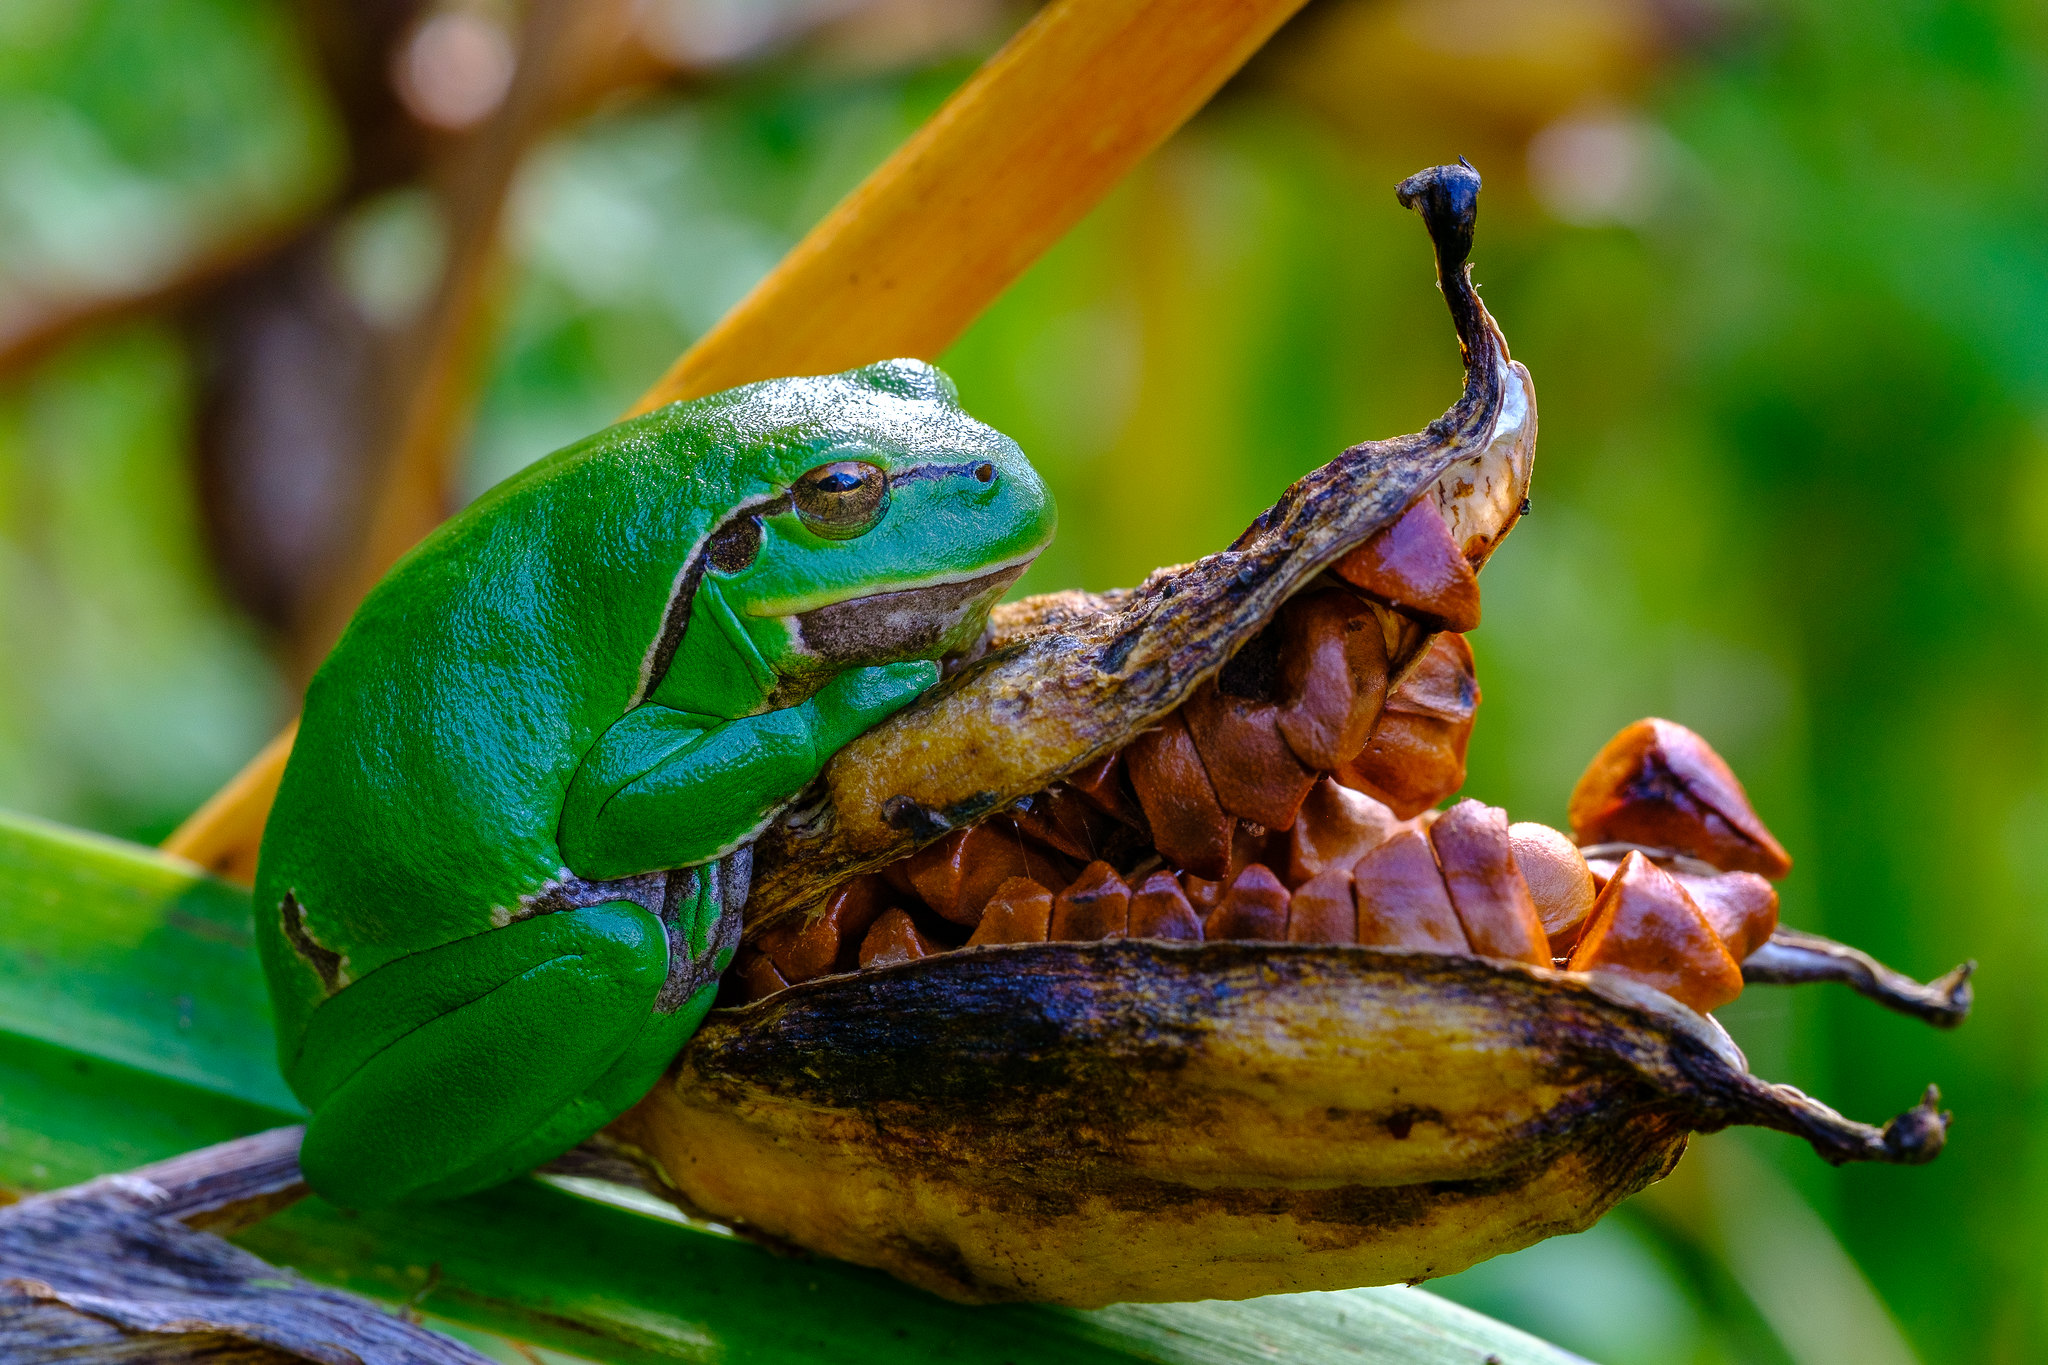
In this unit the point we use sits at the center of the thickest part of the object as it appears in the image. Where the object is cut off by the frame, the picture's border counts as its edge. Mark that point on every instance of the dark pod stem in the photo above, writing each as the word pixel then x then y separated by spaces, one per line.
pixel 1793 958
pixel 1447 197
pixel 1913 1138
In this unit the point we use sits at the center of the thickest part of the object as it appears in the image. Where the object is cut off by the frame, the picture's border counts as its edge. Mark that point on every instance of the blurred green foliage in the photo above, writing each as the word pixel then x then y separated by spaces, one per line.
pixel 1793 491
pixel 129 690
pixel 137 136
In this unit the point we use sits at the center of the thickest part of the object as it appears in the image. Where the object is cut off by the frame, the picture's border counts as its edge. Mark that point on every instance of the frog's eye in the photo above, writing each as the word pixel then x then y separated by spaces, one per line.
pixel 841 500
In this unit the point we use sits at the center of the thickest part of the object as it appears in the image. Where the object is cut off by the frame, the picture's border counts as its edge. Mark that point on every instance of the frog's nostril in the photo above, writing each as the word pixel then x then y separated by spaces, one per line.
pixel 985 471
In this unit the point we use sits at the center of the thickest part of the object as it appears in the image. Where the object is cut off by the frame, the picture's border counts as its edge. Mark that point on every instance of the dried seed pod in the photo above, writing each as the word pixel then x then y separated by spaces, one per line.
pixel 1487 890
pixel 957 875
pixel 1333 677
pixel 1097 905
pixel 1414 564
pixel 1741 906
pixel 1402 901
pixel 1019 912
pixel 1658 784
pixel 1255 773
pixel 828 942
pixel 892 1118
pixel 1336 827
pixel 1255 907
pixel 1188 823
pixel 1160 910
pixel 1417 755
pixel 1322 909
pixel 1646 928
pixel 1559 882
pixel 894 938
pixel 1308 1115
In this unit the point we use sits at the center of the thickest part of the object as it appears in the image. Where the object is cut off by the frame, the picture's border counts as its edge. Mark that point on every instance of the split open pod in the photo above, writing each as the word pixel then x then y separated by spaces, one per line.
pixel 1134 963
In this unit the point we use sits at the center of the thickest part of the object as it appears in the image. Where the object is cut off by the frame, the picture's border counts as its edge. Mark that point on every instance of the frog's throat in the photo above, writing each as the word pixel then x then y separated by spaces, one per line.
pixel 906 624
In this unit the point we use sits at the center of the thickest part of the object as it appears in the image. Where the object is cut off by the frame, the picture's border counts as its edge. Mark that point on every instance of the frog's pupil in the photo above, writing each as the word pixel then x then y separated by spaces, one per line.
pixel 841 500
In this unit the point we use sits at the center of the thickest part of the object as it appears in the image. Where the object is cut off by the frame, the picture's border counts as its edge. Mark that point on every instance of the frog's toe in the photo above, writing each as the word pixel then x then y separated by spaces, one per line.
pixel 450 1070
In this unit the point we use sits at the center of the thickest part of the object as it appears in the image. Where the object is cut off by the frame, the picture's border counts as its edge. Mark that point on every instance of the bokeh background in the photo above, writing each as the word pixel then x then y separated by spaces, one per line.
pixel 281 282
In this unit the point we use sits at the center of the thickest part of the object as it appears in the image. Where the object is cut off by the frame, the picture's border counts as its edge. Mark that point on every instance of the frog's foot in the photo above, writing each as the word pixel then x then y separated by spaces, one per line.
pixel 452 1069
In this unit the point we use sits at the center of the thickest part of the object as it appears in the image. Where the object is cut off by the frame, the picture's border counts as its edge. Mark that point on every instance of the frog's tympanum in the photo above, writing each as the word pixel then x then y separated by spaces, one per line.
pixel 507 862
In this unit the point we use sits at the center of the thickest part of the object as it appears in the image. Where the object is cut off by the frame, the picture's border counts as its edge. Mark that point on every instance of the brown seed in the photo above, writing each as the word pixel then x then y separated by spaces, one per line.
pixel 1019 912
pixel 758 975
pixel 1333 677
pixel 896 876
pixel 1250 843
pixel 1559 882
pixel 1401 898
pixel 894 938
pixel 1059 818
pixel 1741 907
pixel 1322 909
pixel 1487 890
pixel 957 875
pixel 829 941
pixel 1255 907
pixel 1102 785
pixel 1415 564
pixel 1097 905
pixel 1645 927
pixel 1335 828
pixel 1203 894
pixel 1417 755
pixel 1160 909
pixel 1188 822
pixel 1255 773
pixel 1657 783
pixel 1444 682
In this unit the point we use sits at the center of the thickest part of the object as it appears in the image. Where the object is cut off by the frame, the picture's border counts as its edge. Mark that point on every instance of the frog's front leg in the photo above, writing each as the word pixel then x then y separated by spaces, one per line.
pixel 663 788
pixel 451 1069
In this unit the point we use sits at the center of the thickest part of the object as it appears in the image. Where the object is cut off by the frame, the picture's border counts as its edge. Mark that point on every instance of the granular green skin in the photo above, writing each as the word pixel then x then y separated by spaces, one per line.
pixel 621 661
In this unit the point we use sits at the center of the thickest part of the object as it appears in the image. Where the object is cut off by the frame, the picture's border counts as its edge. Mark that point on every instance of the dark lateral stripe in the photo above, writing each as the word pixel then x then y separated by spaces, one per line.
pixel 676 619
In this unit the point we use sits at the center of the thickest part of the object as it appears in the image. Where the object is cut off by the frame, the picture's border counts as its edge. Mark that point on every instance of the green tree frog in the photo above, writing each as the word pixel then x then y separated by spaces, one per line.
pixel 508 857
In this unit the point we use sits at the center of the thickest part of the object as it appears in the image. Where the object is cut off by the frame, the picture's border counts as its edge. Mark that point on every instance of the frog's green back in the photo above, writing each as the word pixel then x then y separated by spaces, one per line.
pixel 438 739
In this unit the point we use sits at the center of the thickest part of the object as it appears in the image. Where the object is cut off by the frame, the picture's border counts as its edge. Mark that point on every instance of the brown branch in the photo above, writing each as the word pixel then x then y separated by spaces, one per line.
pixel 120 1268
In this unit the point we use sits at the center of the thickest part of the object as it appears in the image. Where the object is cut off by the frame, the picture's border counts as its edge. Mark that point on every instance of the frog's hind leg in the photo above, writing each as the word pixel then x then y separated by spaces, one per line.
pixel 452 1069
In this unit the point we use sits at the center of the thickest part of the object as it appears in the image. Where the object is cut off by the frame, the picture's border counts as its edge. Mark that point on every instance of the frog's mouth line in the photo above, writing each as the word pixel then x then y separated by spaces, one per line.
pixel 882 627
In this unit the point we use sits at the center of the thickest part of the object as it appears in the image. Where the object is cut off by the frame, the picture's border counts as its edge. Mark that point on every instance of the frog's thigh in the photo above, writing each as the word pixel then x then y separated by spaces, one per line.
pixel 527 1022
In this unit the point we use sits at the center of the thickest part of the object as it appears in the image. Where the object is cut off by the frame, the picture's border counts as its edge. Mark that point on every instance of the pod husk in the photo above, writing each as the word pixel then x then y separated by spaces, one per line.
pixel 1087 1123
